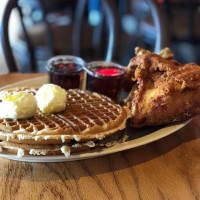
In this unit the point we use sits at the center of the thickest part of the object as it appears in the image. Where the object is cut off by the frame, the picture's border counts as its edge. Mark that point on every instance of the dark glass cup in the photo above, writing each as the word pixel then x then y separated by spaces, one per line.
pixel 105 78
pixel 66 71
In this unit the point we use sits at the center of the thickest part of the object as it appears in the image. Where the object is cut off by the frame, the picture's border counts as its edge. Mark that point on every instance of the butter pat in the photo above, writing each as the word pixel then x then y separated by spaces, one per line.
pixel 17 105
pixel 51 98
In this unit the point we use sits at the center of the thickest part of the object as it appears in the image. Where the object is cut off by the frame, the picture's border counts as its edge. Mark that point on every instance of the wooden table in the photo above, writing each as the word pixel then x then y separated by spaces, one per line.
pixel 165 169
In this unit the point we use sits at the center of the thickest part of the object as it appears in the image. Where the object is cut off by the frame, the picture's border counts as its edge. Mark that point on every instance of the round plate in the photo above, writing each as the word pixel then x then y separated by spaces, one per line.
pixel 137 137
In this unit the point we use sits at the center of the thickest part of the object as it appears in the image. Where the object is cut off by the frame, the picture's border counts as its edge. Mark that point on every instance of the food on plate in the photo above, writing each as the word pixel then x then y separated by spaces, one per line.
pixel 51 98
pixel 57 149
pixel 163 90
pixel 17 105
pixel 89 120
pixel 129 79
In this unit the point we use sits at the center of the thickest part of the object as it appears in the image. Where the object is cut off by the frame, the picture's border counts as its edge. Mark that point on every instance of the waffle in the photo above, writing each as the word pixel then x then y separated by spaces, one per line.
pixel 57 149
pixel 87 117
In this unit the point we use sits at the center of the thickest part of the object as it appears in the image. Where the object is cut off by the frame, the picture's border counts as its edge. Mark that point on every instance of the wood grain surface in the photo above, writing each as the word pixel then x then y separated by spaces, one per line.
pixel 165 169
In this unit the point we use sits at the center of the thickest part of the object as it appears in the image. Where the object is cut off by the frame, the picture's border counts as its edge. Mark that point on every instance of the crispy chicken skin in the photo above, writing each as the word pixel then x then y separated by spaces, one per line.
pixel 164 91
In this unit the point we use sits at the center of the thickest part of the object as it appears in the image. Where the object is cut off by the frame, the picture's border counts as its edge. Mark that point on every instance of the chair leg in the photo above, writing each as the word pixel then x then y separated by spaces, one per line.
pixel 33 64
pixel 9 5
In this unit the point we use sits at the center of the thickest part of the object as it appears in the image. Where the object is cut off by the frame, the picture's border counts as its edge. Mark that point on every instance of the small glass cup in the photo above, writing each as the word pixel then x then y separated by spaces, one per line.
pixel 66 71
pixel 105 78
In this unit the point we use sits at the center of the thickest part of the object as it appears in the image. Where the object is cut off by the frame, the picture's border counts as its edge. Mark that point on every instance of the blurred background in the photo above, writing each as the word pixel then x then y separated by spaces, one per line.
pixel 35 30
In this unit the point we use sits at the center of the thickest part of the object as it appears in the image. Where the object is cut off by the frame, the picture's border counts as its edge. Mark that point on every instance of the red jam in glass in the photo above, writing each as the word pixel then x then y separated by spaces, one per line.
pixel 109 71
pixel 105 80
pixel 67 75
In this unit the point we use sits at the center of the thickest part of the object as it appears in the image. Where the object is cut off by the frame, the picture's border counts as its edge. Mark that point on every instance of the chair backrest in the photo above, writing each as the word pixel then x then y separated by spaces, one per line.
pixel 160 23
pixel 107 22
pixel 143 24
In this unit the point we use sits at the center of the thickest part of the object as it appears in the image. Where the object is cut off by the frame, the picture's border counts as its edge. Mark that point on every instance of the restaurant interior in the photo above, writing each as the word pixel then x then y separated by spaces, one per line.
pixel 33 31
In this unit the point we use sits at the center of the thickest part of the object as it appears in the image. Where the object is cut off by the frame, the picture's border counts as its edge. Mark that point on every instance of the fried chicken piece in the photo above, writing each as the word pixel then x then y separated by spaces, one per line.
pixel 164 91
pixel 164 53
pixel 130 70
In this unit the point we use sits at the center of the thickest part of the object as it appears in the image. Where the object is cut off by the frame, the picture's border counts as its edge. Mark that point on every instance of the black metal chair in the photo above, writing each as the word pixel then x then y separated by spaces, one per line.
pixel 107 22
pixel 150 27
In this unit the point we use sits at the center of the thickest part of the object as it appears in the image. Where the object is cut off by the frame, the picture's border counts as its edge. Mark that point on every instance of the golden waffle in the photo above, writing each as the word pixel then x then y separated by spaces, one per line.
pixel 87 117
pixel 56 149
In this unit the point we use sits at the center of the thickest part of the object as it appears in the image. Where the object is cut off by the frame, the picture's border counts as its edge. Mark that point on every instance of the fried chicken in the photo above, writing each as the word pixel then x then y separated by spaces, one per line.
pixel 163 90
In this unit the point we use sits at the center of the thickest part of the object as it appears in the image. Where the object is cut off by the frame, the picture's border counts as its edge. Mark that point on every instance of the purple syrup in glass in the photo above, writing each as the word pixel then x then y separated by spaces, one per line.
pixel 66 75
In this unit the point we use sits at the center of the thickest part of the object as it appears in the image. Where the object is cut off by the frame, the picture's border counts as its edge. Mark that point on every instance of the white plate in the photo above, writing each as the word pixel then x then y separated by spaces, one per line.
pixel 137 137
